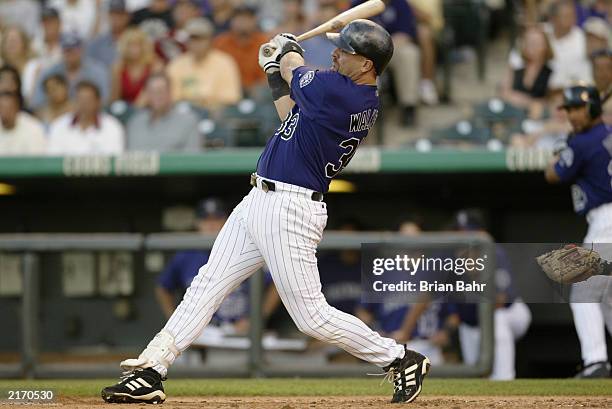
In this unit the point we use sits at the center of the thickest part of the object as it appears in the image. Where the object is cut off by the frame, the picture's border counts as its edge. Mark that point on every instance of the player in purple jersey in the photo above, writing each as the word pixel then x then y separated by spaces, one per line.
pixel 586 162
pixel 280 222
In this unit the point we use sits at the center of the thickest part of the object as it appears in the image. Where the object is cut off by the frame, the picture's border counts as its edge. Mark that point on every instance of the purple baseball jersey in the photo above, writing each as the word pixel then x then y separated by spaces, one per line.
pixel 321 133
pixel 587 162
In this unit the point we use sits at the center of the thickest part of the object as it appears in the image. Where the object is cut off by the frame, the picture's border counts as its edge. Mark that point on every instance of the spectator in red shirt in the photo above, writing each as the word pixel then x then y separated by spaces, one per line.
pixel 136 61
pixel 242 42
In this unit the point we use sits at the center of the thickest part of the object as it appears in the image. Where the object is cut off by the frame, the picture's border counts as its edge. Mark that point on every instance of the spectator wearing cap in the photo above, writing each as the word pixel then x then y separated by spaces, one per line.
pixel 568 41
pixel 163 126
pixel 86 130
pixel 175 43
pixel 104 46
pixel 155 19
pixel 47 43
pixel 242 42
pixel 601 61
pixel 203 75
pixel 20 133
pixel 23 13
pixel 79 16
pixel 47 48
pixel 598 34
pixel 184 266
pixel 75 67
pixel 58 101
pixel 135 63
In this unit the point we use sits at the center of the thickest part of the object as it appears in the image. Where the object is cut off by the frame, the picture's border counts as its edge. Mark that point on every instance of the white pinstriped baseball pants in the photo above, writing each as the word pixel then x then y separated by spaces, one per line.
pixel 281 229
pixel 591 318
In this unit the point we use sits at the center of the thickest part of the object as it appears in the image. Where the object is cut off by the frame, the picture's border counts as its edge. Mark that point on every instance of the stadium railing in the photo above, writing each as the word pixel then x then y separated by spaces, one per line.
pixel 30 245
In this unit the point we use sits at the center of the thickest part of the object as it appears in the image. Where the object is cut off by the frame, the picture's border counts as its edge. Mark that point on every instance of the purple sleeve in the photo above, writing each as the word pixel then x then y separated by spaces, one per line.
pixel 569 163
pixel 308 89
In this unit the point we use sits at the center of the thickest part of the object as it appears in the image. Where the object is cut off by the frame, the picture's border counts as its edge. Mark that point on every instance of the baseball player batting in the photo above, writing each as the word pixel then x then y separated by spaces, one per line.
pixel 280 222
pixel 587 163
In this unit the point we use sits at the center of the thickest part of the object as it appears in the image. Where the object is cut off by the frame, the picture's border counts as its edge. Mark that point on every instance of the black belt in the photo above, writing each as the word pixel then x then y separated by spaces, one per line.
pixel 269 186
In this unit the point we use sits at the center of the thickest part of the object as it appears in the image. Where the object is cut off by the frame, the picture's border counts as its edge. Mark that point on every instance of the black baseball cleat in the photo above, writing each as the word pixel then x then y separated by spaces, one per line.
pixel 140 386
pixel 595 370
pixel 408 374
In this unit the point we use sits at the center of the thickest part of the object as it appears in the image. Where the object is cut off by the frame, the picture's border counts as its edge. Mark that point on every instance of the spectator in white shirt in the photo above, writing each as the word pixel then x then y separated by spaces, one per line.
pixel 24 13
pixel 47 48
pixel 20 133
pixel 80 16
pixel 87 130
pixel 568 41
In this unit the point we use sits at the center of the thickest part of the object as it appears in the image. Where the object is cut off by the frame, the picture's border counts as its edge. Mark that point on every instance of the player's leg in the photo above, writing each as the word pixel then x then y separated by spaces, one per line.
pixel 587 297
pixel 406 73
pixel 589 322
pixel 469 339
pixel 287 230
pixel 233 258
pixel 503 358
pixel 511 323
pixel 606 305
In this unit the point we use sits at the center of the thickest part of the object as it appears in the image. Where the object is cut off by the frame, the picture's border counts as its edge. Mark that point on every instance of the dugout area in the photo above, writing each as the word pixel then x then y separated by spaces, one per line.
pixel 519 205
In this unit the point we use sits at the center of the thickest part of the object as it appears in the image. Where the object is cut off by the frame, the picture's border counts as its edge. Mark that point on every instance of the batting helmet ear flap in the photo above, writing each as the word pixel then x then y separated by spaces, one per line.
pixel 595 110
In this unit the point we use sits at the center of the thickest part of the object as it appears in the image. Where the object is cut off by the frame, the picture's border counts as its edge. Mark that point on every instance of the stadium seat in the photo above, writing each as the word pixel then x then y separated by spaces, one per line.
pixel 121 110
pixel 461 133
pixel 466 24
pixel 248 123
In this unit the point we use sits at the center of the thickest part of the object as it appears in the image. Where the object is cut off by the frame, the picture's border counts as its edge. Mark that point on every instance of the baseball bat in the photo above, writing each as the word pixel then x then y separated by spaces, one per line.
pixel 364 10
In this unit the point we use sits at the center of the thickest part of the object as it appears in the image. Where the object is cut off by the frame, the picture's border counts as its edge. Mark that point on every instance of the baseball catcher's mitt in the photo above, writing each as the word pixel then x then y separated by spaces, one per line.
pixel 572 264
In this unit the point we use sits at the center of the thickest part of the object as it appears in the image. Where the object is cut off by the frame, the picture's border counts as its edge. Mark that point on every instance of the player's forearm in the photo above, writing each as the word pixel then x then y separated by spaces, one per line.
pixel 288 63
pixel 410 320
pixel 283 106
pixel 364 315
pixel 551 174
pixel 165 300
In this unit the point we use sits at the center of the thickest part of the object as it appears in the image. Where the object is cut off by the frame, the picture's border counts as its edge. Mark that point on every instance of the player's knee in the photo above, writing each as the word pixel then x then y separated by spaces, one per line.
pixel 309 328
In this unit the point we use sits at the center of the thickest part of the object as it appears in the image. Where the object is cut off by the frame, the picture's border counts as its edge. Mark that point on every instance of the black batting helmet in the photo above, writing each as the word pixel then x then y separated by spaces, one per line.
pixel 581 95
pixel 364 37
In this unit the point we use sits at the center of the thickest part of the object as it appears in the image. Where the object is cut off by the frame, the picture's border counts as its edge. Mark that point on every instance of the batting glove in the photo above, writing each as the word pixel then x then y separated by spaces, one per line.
pixel 287 42
pixel 271 63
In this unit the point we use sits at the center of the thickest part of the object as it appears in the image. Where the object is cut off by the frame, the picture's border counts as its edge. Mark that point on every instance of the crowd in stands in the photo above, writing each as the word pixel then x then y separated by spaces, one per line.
pixel 105 76
pixel 567 43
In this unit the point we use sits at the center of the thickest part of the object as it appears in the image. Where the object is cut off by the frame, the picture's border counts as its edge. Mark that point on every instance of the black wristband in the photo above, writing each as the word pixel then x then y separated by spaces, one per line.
pixel 291 47
pixel 278 85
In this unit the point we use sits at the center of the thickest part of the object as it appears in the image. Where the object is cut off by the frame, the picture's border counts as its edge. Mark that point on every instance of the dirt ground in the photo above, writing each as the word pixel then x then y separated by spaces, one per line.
pixel 337 402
